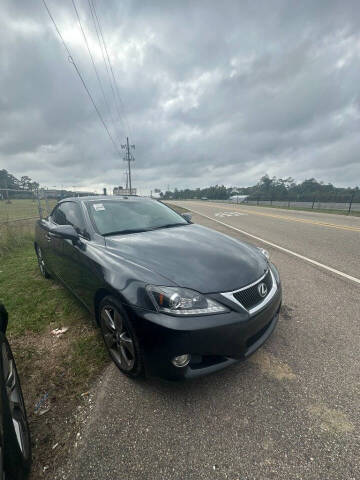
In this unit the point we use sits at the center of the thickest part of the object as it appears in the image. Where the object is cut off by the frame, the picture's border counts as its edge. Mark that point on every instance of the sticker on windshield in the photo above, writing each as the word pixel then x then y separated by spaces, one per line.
pixel 98 207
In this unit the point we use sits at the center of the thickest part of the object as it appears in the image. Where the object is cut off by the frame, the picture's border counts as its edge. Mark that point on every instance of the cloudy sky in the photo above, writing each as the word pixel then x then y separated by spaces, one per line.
pixel 211 92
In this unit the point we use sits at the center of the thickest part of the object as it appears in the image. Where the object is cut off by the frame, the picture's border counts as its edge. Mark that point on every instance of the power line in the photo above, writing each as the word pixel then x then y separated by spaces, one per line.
pixel 103 56
pixel 111 70
pixel 92 61
pixel 81 77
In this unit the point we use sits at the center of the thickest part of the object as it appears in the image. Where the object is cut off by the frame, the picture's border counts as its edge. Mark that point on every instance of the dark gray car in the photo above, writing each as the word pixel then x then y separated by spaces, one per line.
pixel 172 298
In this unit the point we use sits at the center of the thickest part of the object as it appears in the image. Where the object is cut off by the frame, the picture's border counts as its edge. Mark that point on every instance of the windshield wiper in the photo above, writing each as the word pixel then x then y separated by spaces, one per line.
pixel 137 230
pixel 170 225
pixel 121 232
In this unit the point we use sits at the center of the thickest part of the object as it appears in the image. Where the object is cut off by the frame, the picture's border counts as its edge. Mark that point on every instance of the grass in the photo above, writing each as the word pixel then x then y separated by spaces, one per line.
pixel 15 235
pixel 17 220
pixel 177 208
pixel 61 367
pixel 22 208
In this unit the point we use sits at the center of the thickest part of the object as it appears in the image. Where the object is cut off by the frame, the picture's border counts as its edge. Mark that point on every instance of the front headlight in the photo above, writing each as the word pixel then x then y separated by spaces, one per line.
pixel 264 252
pixel 182 301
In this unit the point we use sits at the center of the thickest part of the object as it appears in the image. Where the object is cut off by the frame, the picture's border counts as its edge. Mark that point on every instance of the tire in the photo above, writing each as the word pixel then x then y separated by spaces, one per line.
pixel 41 262
pixel 15 427
pixel 120 337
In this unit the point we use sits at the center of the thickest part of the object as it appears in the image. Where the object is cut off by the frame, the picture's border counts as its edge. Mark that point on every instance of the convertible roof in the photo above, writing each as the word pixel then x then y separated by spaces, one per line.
pixel 97 198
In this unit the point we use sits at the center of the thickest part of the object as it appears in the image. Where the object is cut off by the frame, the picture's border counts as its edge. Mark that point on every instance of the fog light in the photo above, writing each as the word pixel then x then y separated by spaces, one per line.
pixel 181 360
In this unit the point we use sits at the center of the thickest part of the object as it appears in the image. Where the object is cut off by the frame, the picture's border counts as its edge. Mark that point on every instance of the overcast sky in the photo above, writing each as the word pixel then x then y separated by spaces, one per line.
pixel 211 92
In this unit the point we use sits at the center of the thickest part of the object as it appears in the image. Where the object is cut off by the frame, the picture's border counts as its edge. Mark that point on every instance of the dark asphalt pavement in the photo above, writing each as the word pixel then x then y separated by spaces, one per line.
pixel 290 412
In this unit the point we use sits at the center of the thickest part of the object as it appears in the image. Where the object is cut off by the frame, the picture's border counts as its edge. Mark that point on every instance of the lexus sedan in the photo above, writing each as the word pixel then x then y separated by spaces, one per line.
pixel 15 447
pixel 172 298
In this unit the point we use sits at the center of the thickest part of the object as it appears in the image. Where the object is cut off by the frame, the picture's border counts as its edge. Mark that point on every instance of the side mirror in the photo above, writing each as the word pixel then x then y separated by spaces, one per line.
pixel 187 216
pixel 3 318
pixel 65 231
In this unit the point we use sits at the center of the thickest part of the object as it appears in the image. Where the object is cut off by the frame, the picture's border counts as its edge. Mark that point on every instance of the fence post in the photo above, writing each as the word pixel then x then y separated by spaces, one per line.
pixel 7 193
pixel 312 206
pixel 271 200
pixel 46 201
pixel 351 201
pixel 258 201
pixel 39 204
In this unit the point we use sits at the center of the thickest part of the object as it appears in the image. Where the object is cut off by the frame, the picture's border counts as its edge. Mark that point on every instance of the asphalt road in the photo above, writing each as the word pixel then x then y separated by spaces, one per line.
pixel 290 412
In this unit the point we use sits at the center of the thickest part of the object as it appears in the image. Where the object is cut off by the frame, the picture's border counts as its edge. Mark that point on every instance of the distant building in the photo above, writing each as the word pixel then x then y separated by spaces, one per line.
pixel 124 191
pixel 238 198
pixel 59 194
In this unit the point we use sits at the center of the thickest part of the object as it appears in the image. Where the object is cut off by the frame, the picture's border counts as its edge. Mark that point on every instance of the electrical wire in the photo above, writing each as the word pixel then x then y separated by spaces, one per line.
pixel 81 78
pixel 93 64
pixel 114 85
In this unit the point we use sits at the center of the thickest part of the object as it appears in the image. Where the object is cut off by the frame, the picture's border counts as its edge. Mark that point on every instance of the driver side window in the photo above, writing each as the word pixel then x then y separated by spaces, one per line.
pixel 69 213
pixel 58 216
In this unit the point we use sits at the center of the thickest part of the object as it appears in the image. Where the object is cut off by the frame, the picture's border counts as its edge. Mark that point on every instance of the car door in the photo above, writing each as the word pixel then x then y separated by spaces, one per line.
pixel 74 265
pixel 53 252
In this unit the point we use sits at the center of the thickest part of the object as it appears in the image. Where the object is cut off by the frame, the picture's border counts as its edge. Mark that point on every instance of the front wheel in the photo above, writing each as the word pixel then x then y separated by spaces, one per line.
pixel 120 338
pixel 41 262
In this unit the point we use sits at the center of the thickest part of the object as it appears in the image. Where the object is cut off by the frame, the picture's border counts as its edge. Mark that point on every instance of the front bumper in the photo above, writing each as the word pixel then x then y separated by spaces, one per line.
pixel 214 341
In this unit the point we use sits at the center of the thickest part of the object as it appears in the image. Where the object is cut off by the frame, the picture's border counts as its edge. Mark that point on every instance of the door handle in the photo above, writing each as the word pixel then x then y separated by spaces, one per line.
pixel 49 236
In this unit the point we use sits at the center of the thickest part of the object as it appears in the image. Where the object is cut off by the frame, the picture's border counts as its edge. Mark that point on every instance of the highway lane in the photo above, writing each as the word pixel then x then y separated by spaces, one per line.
pixel 290 412
pixel 333 240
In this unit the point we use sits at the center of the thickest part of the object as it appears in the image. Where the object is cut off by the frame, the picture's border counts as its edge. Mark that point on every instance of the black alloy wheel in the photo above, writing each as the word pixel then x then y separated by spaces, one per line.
pixel 41 263
pixel 120 337
pixel 16 448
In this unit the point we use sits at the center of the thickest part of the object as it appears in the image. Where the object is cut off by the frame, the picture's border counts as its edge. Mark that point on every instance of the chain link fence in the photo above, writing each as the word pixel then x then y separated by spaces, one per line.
pixel 346 204
pixel 20 205
pixel 19 209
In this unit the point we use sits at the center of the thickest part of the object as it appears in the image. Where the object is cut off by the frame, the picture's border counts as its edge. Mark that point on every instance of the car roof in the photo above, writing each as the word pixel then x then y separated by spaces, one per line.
pixel 100 198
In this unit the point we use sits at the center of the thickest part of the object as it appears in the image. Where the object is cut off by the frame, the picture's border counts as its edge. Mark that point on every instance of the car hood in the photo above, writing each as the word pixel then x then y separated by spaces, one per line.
pixel 192 256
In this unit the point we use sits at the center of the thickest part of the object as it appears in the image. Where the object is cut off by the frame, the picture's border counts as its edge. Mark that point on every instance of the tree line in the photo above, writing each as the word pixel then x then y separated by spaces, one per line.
pixel 9 181
pixel 271 188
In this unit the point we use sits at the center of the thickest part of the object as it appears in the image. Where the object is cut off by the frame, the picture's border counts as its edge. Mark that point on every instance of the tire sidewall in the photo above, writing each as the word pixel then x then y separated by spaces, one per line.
pixel 44 273
pixel 113 302
pixel 15 464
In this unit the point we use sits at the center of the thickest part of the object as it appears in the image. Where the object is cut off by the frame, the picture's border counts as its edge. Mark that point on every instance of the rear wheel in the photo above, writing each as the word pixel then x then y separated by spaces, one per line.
pixel 16 449
pixel 120 338
pixel 41 262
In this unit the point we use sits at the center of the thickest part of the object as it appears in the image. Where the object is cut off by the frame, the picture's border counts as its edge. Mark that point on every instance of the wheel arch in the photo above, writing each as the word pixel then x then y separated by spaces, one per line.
pixel 102 293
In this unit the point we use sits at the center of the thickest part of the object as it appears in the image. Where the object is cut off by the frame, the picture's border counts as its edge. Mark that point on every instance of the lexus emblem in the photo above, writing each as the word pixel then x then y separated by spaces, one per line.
pixel 262 289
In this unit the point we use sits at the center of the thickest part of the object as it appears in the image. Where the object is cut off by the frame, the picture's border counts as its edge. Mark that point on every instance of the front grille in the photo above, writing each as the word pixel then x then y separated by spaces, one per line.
pixel 250 297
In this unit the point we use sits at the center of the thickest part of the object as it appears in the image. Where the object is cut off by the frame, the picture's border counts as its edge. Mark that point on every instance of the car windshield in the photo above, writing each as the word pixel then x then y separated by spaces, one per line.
pixel 111 217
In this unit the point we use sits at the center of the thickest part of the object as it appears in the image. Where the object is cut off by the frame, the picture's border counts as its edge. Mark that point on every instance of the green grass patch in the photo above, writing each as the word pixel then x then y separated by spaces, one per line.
pixel 15 235
pixel 34 302
pixel 87 357
pixel 24 208
pixel 17 221
pixel 177 208
pixel 62 367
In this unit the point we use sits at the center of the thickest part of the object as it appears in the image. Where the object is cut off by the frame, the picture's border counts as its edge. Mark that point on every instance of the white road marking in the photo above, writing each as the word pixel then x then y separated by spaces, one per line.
pixel 229 214
pixel 302 257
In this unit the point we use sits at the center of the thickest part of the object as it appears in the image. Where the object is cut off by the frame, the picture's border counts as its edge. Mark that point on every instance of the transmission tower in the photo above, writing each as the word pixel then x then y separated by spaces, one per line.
pixel 129 157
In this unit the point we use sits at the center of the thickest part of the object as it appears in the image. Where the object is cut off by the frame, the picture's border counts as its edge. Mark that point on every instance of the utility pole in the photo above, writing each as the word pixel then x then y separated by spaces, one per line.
pixel 128 158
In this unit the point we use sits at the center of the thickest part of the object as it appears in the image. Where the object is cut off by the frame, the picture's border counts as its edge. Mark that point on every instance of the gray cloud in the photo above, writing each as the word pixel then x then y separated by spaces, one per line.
pixel 211 92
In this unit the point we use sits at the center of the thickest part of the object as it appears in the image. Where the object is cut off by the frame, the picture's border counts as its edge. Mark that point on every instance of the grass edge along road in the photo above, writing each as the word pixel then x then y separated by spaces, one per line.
pixel 334 211
pixel 56 371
